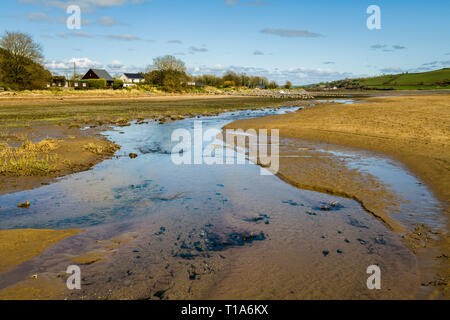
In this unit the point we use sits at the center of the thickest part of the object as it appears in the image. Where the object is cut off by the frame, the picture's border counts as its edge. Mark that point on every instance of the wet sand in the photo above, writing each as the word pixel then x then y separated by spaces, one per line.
pixel 412 129
pixel 212 241
pixel 18 246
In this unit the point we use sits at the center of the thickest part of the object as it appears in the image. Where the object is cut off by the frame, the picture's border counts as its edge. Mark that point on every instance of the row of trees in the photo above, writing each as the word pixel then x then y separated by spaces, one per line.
pixel 233 79
pixel 21 68
pixel 170 73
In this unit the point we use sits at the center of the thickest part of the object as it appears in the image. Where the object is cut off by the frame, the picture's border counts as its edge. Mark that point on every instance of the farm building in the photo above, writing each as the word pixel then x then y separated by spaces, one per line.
pixel 132 78
pixel 99 74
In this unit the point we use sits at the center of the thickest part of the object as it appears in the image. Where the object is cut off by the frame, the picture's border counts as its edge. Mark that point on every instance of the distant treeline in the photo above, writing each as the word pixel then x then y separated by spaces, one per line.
pixel 170 74
pixel 232 79
pixel 21 68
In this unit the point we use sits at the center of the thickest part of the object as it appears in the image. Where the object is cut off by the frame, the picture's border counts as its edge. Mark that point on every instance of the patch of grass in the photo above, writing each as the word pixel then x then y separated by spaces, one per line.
pixel 30 159
pixel 99 149
pixel 12 137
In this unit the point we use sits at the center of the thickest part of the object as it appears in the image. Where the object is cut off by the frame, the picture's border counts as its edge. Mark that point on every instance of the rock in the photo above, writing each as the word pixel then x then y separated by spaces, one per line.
pixel 335 204
pixel 133 155
pixel 24 205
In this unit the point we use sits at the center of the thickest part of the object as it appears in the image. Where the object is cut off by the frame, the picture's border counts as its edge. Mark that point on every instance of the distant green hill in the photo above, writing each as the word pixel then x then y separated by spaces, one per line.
pixel 437 79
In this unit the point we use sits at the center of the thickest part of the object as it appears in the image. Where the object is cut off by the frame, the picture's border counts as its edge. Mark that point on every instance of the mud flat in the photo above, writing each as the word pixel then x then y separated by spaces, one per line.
pixel 412 130
pixel 156 230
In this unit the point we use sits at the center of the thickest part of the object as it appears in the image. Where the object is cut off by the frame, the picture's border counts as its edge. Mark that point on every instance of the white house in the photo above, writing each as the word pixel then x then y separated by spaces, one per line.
pixel 132 78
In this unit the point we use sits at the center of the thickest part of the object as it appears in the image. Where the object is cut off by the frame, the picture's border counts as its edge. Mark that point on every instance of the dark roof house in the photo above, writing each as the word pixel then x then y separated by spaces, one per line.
pixel 99 74
pixel 132 77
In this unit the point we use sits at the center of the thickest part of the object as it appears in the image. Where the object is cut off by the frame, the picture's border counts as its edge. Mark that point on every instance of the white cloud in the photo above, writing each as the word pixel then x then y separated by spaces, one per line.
pixel 123 37
pixel 257 3
pixel 291 33
pixel 38 17
pixel 378 46
pixel 196 49
pixel 392 70
pixel 64 66
pixel 231 2
pixel 87 6
pixel 116 64
pixel 107 21
pixel 74 34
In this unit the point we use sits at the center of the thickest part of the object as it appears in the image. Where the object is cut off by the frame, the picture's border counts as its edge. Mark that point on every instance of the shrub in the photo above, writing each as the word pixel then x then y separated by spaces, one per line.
pixel 97 83
pixel 118 84
pixel 227 84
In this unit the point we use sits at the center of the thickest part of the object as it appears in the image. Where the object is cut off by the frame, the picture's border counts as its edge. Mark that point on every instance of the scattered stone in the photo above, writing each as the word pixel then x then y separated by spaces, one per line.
pixel 259 218
pixel 186 256
pixel 363 242
pixel 356 223
pixel 325 253
pixel 133 155
pixel 160 294
pixel 380 240
pixel 161 231
pixel 291 202
pixel 216 242
pixel 335 206
pixel 24 205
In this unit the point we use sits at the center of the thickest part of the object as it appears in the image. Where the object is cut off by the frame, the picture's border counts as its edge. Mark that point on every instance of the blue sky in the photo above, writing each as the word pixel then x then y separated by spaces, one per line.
pixel 303 41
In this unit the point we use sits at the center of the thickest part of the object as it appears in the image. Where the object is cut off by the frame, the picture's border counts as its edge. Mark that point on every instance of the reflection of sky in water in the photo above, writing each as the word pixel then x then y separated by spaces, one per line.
pixel 122 188
pixel 343 101
pixel 418 199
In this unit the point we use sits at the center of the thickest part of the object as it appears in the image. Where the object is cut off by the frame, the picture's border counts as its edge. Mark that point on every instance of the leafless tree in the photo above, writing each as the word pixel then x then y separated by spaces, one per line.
pixel 22 45
pixel 169 63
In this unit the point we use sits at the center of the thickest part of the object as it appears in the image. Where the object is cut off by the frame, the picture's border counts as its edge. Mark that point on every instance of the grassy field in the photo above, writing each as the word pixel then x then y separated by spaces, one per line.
pixel 431 80
pixel 438 79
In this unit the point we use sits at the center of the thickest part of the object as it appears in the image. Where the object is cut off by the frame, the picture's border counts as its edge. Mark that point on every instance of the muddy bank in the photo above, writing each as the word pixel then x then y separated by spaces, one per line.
pixel 203 231
pixel 17 246
pixel 37 155
pixel 412 129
